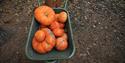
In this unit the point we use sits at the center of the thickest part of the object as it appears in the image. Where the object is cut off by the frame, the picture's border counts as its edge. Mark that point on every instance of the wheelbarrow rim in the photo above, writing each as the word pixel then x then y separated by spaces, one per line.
pixel 26 51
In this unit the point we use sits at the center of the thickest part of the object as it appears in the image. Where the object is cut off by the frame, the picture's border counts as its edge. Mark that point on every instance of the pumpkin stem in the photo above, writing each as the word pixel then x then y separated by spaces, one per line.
pixel 46 14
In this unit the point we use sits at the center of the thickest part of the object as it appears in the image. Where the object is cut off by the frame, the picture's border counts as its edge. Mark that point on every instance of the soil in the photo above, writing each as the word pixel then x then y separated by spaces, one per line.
pixel 98 29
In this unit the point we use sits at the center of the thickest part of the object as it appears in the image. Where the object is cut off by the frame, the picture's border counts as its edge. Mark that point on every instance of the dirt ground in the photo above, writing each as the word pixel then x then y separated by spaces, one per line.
pixel 98 29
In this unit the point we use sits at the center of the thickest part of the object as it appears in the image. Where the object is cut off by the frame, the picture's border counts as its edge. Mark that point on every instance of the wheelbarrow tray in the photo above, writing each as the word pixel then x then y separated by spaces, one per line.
pixel 54 54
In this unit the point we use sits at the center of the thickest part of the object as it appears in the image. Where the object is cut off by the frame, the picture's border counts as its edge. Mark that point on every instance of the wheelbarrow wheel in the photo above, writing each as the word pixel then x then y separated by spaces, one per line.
pixel 52 61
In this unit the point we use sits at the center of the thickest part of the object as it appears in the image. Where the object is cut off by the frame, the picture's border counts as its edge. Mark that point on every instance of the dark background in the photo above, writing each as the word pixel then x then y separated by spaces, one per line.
pixel 98 29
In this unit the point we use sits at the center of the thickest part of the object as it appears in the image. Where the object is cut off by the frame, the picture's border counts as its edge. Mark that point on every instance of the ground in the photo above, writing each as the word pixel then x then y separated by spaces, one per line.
pixel 98 29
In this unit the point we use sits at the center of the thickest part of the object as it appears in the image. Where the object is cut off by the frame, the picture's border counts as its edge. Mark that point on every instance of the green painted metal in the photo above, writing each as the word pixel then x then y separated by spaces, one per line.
pixel 54 54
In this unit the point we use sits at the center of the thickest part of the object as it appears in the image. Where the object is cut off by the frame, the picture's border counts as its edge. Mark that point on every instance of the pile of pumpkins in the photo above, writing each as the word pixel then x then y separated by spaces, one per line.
pixel 51 32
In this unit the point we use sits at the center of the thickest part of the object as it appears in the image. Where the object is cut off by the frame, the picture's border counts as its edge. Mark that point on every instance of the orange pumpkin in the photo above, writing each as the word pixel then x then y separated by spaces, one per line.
pixel 56 17
pixel 41 47
pixel 62 25
pixel 65 36
pixel 54 25
pixel 61 44
pixel 62 17
pixel 50 38
pixel 47 44
pixel 58 32
pixel 37 46
pixel 40 35
pixel 44 15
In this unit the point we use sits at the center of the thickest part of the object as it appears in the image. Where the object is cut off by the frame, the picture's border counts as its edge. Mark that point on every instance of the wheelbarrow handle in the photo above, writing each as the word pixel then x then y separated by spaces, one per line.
pixel 66 3
pixel 43 2
pixel 40 2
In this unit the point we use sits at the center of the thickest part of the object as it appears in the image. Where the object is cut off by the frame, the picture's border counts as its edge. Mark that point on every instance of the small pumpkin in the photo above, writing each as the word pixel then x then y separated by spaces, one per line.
pixel 62 25
pixel 56 17
pixel 61 44
pixel 58 32
pixel 62 17
pixel 54 25
pixel 65 36
pixel 40 35
pixel 46 46
pixel 44 15
pixel 50 37
pixel 50 40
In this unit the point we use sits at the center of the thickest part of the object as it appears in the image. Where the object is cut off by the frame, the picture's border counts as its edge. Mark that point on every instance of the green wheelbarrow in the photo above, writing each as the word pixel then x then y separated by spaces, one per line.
pixel 53 56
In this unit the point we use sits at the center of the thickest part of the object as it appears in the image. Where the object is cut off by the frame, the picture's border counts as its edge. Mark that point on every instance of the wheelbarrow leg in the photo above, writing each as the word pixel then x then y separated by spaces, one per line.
pixel 52 61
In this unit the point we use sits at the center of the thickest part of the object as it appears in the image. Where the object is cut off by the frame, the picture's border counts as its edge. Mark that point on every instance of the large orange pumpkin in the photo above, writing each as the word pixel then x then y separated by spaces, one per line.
pixel 47 44
pixel 44 15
